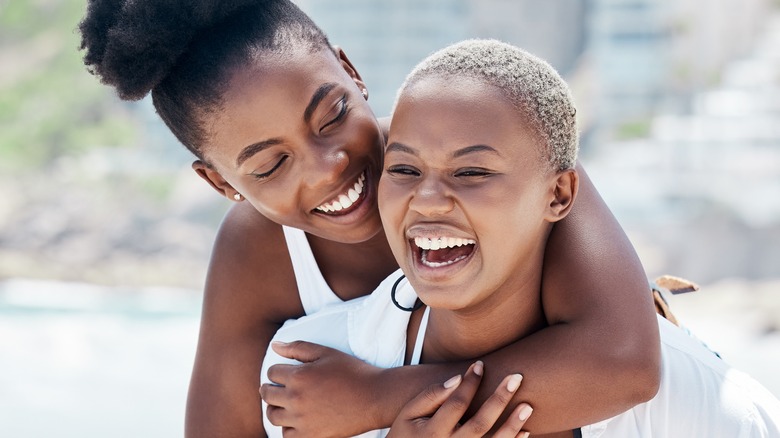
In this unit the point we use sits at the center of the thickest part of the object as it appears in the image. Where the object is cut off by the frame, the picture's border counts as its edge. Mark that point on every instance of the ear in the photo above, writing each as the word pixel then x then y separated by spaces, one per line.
pixel 346 64
pixel 565 186
pixel 215 180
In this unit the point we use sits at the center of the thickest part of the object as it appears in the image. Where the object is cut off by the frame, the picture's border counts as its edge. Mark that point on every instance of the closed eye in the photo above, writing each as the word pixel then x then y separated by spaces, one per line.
pixel 342 107
pixel 473 172
pixel 402 170
pixel 265 175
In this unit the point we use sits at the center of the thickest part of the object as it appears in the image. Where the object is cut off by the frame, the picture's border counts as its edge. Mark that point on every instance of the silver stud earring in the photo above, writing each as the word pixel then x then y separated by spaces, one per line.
pixel 237 196
pixel 365 94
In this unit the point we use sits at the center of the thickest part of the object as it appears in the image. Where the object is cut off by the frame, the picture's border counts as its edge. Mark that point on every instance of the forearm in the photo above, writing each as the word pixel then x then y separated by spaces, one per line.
pixel 571 377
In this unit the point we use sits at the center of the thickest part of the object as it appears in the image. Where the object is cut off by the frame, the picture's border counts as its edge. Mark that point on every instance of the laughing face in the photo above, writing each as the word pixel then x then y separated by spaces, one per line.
pixel 297 139
pixel 466 196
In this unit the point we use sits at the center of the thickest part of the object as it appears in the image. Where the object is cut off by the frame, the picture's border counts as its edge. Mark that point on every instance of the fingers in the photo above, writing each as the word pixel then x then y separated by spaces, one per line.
pixel 301 351
pixel 515 422
pixel 429 400
pixel 281 374
pixel 453 409
pixel 494 406
pixel 274 395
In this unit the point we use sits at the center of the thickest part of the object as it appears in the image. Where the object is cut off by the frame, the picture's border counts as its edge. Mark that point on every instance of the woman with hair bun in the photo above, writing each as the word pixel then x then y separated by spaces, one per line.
pixel 278 121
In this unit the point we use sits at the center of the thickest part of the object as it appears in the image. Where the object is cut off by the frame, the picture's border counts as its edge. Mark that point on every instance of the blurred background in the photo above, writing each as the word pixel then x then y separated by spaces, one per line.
pixel 105 231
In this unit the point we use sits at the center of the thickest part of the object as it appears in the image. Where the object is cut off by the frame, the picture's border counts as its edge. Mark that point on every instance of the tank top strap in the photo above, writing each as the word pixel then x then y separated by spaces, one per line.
pixel 418 343
pixel 314 291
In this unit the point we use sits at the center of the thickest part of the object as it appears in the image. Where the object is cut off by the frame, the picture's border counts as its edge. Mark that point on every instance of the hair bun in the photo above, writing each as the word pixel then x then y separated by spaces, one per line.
pixel 133 44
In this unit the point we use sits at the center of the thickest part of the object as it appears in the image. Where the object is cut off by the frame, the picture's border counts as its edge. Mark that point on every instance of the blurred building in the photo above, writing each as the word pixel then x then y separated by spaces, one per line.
pixel 385 40
pixel 626 45
pixel 651 56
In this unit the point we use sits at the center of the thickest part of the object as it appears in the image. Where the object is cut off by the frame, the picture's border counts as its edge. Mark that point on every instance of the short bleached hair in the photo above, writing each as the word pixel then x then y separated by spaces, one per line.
pixel 528 82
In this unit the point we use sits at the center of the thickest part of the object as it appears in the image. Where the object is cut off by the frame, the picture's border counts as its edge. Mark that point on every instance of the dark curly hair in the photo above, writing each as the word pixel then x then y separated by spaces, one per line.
pixel 183 51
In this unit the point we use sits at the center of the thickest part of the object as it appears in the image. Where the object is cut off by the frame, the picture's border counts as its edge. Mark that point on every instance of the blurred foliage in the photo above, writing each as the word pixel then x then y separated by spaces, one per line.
pixel 49 104
pixel 634 129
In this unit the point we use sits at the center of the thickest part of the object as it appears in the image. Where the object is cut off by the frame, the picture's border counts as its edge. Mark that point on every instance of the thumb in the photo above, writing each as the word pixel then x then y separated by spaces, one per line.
pixel 301 351
pixel 429 400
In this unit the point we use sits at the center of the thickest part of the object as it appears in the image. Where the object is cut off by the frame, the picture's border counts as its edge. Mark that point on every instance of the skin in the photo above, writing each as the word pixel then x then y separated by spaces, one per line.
pixel 466 165
pixel 438 411
pixel 251 289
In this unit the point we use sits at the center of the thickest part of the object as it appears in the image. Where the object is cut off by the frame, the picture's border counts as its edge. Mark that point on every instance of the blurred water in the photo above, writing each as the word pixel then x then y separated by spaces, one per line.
pixel 81 360
pixel 88 361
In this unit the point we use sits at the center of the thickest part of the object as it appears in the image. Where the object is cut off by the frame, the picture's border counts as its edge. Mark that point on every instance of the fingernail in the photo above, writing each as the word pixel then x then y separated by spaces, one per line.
pixel 525 412
pixel 478 367
pixel 454 381
pixel 279 343
pixel 525 434
pixel 514 382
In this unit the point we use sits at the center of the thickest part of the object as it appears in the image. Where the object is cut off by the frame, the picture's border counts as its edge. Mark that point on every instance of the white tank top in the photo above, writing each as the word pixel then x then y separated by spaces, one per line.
pixel 314 290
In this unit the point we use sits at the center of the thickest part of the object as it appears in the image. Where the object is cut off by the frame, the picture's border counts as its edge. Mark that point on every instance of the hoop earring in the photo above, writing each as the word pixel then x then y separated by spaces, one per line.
pixel 417 304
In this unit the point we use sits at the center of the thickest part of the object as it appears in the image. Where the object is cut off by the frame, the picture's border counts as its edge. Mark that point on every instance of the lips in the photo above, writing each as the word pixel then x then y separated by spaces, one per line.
pixel 441 250
pixel 342 203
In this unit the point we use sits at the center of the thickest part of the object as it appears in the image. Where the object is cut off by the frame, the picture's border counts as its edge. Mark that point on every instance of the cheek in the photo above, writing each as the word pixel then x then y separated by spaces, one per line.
pixel 276 204
pixel 393 205
pixel 388 199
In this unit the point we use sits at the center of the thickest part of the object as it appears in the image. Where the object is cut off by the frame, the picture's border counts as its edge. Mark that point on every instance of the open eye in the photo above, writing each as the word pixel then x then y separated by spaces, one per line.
pixel 339 110
pixel 276 166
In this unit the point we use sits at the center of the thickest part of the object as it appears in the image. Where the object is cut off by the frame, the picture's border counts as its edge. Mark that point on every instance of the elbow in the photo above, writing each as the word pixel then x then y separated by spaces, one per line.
pixel 638 369
pixel 632 359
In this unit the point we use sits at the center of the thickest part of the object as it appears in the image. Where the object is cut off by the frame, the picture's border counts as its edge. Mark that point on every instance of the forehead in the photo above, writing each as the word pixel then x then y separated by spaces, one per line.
pixel 458 112
pixel 283 75
pixel 265 97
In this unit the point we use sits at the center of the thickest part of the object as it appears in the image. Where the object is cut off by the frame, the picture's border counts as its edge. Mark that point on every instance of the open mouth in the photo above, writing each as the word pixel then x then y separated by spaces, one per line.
pixel 440 251
pixel 347 201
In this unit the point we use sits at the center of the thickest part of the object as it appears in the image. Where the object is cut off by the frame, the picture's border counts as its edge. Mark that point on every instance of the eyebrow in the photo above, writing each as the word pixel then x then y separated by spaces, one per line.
pixel 472 149
pixel 316 98
pixel 400 147
pixel 254 148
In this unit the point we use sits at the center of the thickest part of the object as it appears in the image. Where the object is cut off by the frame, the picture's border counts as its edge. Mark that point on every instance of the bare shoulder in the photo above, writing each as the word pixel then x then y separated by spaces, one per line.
pixel 250 269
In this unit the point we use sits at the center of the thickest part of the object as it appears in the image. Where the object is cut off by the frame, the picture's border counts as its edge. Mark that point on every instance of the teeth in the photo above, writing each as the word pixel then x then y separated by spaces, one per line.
pixel 345 200
pixel 435 243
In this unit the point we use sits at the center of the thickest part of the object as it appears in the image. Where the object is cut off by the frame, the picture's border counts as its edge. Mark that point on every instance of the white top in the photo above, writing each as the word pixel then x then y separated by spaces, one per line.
pixel 699 396
pixel 314 290
pixel 370 328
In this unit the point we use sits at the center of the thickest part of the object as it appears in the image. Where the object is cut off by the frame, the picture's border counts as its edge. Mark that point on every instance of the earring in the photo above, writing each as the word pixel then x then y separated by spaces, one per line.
pixel 365 94
pixel 237 196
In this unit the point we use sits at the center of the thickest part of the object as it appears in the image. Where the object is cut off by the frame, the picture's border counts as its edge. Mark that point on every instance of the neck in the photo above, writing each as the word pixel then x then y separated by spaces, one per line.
pixel 511 312
pixel 353 269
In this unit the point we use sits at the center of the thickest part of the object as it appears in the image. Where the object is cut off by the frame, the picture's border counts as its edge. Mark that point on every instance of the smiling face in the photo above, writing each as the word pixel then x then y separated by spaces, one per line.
pixel 466 196
pixel 297 139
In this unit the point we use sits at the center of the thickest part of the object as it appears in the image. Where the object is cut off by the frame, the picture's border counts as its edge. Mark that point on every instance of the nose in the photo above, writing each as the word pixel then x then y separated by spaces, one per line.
pixel 326 167
pixel 431 198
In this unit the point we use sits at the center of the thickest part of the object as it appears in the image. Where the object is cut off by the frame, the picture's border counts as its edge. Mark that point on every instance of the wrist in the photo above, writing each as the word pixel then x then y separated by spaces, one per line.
pixel 381 407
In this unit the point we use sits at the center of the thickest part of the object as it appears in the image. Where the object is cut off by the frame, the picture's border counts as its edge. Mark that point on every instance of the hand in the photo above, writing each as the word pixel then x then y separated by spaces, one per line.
pixel 319 398
pixel 436 412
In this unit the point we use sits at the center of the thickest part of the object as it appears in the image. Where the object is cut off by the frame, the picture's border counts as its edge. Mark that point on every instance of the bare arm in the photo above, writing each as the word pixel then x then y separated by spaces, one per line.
pixel 599 356
pixel 250 290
